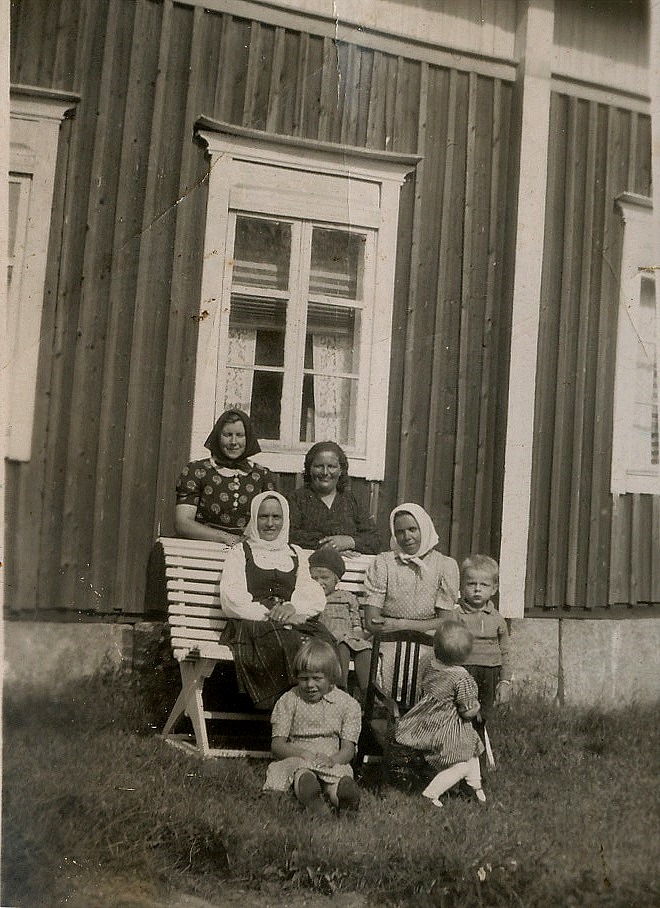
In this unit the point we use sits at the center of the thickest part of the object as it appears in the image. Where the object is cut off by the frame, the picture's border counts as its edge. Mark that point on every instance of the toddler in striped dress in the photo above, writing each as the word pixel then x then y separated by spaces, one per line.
pixel 440 725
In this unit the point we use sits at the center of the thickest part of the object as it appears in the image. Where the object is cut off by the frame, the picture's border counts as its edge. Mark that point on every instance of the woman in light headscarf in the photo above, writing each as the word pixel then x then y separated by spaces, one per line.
pixel 413 586
pixel 267 590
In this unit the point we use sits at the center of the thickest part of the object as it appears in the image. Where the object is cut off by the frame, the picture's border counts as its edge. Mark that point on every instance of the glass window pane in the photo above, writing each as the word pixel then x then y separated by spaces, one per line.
pixel 645 423
pixel 265 321
pixel 337 263
pixel 19 198
pixel 256 338
pixel 329 409
pixel 330 386
pixel 333 332
pixel 266 404
pixel 262 250
pixel 14 199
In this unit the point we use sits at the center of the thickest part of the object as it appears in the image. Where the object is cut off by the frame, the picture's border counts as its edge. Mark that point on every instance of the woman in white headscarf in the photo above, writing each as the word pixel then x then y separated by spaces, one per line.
pixel 267 590
pixel 413 586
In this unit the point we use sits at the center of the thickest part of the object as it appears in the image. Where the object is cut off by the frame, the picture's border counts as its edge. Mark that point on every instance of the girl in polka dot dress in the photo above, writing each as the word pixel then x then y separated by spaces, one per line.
pixel 316 727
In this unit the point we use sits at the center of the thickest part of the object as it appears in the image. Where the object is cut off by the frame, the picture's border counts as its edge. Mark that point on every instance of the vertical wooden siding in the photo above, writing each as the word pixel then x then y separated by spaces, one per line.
pixel 587 548
pixel 119 331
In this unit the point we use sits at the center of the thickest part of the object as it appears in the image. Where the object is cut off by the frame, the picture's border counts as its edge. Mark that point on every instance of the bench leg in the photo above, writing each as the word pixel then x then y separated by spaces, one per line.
pixel 189 701
pixel 178 711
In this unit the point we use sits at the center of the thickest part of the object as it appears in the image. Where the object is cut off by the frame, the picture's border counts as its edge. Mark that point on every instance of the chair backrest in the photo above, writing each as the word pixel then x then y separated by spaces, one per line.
pixel 402 679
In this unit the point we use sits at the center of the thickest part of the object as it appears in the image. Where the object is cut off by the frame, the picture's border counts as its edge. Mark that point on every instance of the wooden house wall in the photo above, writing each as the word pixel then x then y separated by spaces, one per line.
pixel 119 333
pixel 587 548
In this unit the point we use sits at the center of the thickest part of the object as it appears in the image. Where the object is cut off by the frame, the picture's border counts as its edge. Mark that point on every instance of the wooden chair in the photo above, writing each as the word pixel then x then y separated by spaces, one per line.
pixel 385 704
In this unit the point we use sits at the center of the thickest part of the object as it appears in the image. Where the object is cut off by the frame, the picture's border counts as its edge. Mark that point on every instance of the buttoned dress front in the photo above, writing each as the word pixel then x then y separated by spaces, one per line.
pixel 221 495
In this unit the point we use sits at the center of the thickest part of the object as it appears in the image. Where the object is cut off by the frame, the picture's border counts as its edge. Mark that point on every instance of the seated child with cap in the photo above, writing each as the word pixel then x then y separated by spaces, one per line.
pixel 341 615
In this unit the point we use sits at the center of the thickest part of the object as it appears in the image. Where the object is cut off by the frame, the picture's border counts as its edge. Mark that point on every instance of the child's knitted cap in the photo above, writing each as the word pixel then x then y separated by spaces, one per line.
pixel 327 557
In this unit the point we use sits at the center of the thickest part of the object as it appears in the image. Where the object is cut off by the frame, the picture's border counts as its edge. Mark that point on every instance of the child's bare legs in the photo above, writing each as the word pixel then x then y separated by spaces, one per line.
pixel 443 781
pixel 361 664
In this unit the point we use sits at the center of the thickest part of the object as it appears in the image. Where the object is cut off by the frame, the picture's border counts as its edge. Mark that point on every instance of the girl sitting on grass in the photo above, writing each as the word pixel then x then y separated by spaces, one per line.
pixel 440 724
pixel 315 729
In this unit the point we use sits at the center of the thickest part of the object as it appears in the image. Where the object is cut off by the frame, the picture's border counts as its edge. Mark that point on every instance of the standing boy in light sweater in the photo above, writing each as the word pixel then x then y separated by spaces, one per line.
pixel 489 660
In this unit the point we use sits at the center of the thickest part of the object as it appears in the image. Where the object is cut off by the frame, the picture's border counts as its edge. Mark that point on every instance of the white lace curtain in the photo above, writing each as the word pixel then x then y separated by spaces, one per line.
pixel 242 346
pixel 333 397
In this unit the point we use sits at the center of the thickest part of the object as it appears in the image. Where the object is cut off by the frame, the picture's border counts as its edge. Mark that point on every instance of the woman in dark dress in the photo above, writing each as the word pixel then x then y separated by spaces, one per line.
pixel 213 495
pixel 325 512
pixel 267 591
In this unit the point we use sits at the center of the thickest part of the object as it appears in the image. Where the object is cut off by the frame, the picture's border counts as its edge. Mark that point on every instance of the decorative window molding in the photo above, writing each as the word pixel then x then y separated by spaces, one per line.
pixel 297 293
pixel 635 456
pixel 36 116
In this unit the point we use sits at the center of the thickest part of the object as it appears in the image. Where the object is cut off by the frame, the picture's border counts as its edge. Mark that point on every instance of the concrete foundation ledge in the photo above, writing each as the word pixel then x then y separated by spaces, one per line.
pixel 47 656
pixel 610 663
pixel 588 663
pixel 535 656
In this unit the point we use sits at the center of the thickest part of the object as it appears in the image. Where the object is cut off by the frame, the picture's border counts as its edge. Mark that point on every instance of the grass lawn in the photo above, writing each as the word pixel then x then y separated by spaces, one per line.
pixel 93 798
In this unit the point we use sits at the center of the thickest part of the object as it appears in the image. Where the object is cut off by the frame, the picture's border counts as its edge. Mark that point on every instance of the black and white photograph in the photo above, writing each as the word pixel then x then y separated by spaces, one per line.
pixel 331 475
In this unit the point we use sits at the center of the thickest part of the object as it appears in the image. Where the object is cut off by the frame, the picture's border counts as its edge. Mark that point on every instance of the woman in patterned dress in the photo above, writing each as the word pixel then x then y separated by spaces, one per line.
pixel 413 586
pixel 409 587
pixel 213 495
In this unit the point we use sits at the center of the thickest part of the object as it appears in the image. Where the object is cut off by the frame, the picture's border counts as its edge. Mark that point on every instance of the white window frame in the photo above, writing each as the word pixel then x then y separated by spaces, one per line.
pixel 638 260
pixel 299 179
pixel 35 118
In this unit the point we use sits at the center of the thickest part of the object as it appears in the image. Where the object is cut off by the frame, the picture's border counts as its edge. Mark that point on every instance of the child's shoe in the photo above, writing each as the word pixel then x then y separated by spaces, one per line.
pixel 348 794
pixel 435 801
pixel 466 792
pixel 307 790
pixel 477 794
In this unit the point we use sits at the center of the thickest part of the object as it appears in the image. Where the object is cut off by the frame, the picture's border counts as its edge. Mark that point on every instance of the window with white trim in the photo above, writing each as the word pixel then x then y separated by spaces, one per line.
pixel 35 124
pixel 297 292
pixel 635 451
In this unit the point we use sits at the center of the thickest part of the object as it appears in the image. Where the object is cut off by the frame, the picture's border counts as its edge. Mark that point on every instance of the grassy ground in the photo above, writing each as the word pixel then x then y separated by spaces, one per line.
pixel 95 802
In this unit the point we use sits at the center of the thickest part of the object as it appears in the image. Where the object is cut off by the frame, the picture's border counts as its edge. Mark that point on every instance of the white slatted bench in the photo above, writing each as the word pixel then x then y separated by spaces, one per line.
pixel 193 569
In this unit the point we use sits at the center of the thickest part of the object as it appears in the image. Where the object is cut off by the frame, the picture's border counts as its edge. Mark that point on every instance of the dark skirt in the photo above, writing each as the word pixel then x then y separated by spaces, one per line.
pixel 264 653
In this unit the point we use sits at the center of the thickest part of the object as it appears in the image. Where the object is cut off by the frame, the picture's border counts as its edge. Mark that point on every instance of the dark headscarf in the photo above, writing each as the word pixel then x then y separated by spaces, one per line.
pixel 252 445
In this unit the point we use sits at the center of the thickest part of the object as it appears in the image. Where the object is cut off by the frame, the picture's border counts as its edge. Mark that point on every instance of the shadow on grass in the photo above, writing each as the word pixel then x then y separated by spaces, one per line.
pixel 91 793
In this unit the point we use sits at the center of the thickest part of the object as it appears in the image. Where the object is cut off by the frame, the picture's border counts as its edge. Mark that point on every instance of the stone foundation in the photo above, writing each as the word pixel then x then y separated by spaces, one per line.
pixel 601 663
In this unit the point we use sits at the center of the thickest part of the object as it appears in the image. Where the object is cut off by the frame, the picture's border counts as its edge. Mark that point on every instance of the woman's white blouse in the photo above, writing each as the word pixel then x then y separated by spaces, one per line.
pixel 307 598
